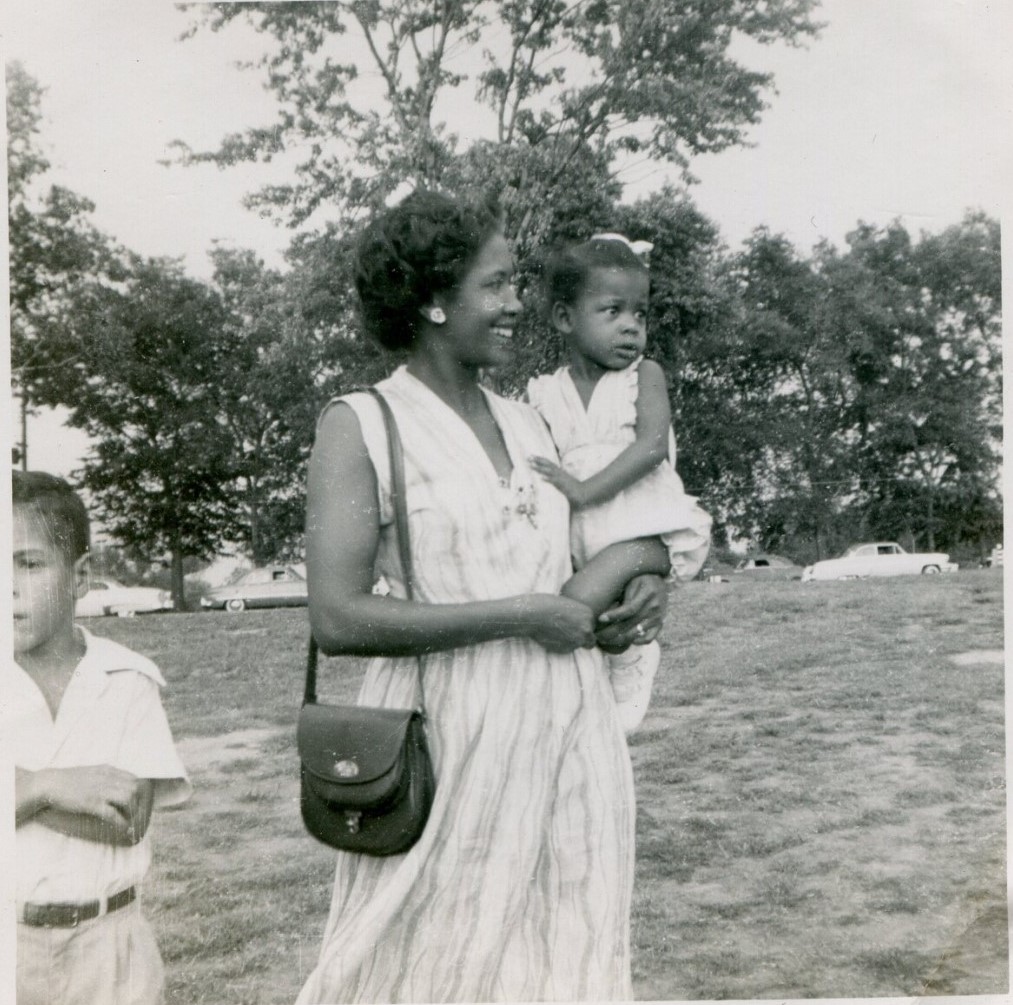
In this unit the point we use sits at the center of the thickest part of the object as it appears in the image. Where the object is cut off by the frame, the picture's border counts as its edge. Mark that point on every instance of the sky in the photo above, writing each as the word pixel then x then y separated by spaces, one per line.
pixel 901 109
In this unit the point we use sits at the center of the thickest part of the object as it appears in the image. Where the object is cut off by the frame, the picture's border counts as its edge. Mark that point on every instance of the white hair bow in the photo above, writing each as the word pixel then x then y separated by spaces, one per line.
pixel 402 191
pixel 642 249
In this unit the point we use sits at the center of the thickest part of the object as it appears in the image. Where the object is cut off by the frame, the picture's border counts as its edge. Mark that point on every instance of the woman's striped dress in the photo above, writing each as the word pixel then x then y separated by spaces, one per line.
pixel 520 887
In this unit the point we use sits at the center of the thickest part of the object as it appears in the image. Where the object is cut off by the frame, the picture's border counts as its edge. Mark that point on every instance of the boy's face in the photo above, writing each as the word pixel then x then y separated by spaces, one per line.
pixel 47 583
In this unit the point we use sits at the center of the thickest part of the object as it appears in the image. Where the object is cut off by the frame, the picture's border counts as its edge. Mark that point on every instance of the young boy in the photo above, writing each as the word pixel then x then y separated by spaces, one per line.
pixel 82 721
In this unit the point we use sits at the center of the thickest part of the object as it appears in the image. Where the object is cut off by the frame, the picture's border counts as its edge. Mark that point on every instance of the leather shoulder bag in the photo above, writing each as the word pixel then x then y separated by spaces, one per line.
pixel 367 781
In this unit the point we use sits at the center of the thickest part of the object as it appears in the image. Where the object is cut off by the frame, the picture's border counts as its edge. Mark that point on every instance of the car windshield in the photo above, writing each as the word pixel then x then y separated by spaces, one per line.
pixel 873 549
pixel 256 576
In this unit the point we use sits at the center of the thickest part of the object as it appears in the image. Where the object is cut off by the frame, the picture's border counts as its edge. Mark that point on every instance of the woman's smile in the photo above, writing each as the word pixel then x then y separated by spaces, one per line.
pixel 480 320
pixel 503 334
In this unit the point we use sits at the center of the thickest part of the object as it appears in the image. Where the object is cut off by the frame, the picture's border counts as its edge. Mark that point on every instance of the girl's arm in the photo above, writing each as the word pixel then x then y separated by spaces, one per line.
pixel 644 454
pixel 342 536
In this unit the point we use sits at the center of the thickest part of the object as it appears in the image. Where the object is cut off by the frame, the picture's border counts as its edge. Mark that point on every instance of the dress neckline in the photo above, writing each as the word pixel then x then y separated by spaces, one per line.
pixel 503 480
pixel 586 409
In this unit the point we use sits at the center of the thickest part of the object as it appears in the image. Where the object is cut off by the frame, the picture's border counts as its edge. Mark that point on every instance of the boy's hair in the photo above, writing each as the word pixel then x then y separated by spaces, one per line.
pixel 422 246
pixel 60 508
pixel 568 268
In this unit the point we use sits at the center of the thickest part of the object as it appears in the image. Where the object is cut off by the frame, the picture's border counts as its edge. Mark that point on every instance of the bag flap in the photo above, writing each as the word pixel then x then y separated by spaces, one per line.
pixel 351 744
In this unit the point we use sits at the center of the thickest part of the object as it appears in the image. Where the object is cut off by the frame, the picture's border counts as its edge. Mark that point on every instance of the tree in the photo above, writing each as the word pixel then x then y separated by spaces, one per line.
pixel 143 366
pixel 53 248
pixel 922 324
pixel 564 95
pixel 878 372
pixel 614 78
pixel 961 271
pixel 280 364
pixel 806 471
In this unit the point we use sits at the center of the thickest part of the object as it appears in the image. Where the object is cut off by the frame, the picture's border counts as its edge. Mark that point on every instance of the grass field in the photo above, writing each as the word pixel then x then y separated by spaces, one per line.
pixel 820 784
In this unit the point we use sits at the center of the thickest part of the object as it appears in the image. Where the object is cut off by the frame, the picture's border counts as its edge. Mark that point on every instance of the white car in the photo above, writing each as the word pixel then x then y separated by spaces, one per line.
pixel 881 558
pixel 106 596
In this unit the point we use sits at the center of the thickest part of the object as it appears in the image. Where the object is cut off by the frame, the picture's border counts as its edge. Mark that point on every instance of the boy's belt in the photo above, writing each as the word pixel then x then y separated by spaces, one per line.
pixel 71 915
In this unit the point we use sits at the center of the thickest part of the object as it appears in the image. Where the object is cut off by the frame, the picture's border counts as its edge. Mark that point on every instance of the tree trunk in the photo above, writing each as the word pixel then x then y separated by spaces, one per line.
pixel 931 522
pixel 178 598
pixel 255 530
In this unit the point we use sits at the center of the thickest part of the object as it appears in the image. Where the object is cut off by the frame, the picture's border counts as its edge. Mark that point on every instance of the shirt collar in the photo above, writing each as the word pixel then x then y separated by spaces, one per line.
pixel 104 656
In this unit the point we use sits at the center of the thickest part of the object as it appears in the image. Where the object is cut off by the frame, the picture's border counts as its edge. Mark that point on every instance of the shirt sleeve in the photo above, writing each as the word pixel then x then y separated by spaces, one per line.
pixel 147 749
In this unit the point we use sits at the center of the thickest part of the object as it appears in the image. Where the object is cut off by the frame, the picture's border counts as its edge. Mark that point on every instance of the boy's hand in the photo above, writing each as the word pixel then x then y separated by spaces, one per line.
pixel 555 475
pixel 96 803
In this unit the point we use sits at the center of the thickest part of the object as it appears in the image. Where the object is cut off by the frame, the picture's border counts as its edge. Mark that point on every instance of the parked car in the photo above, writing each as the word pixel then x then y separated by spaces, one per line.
pixel 269 586
pixel 881 558
pixel 106 596
pixel 995 558
pixel 768 567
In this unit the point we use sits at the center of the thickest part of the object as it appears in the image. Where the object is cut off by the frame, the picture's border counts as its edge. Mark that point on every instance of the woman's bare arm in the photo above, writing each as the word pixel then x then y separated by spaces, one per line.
pixel 342 536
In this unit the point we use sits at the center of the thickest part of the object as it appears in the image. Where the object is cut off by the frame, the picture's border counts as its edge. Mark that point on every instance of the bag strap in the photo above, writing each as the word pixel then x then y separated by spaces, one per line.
pixel 398 498
pixel 397 491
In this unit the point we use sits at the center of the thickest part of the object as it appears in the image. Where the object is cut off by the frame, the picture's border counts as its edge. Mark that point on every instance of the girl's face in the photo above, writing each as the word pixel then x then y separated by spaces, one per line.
pixel 482 309
pixel 608 323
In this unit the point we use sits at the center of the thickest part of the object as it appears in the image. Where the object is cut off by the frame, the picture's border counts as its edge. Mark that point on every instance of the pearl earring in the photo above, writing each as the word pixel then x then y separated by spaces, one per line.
pixel 437 316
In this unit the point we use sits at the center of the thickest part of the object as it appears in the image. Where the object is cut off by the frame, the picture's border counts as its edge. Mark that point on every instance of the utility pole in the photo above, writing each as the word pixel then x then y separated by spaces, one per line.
pixel 23 449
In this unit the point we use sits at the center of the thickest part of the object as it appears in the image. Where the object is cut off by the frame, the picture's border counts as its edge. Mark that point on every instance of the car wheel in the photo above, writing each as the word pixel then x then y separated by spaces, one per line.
pixel 930 570
pixel 235 605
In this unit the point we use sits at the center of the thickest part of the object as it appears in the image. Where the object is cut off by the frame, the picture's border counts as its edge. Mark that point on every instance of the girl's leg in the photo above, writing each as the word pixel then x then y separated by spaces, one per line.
pixel 601 582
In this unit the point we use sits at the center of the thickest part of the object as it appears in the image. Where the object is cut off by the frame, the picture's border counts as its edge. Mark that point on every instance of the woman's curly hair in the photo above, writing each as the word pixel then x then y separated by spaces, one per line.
pixel 422 246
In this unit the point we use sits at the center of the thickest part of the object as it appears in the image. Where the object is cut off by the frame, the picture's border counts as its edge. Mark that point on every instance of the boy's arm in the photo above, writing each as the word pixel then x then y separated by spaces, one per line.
pixel 95 803
pixel 644 454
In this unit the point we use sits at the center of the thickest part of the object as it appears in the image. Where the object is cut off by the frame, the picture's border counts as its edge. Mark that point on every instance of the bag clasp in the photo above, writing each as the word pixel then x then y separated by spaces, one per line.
pixel 346 768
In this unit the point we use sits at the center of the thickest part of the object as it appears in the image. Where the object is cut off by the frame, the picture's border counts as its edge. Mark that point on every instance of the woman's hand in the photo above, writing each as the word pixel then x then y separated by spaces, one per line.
pixel 560 624
pixel 637 620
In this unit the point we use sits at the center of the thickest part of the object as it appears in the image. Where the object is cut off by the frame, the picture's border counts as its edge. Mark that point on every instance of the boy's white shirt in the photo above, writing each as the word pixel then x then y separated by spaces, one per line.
pixel 111 713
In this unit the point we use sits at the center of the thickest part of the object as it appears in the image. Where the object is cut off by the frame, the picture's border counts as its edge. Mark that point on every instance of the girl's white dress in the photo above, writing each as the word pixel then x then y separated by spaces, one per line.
pixel 588 440
pixel 520 887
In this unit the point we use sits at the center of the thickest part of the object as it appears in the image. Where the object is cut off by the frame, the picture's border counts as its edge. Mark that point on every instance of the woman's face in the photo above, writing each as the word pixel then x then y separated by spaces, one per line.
pixel 482 309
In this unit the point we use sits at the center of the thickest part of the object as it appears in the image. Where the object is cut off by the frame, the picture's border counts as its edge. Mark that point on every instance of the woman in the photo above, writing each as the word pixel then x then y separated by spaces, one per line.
pixel 519 888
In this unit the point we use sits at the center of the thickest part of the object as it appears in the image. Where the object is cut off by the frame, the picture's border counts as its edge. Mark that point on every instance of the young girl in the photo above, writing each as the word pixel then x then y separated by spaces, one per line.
pixel 609 416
